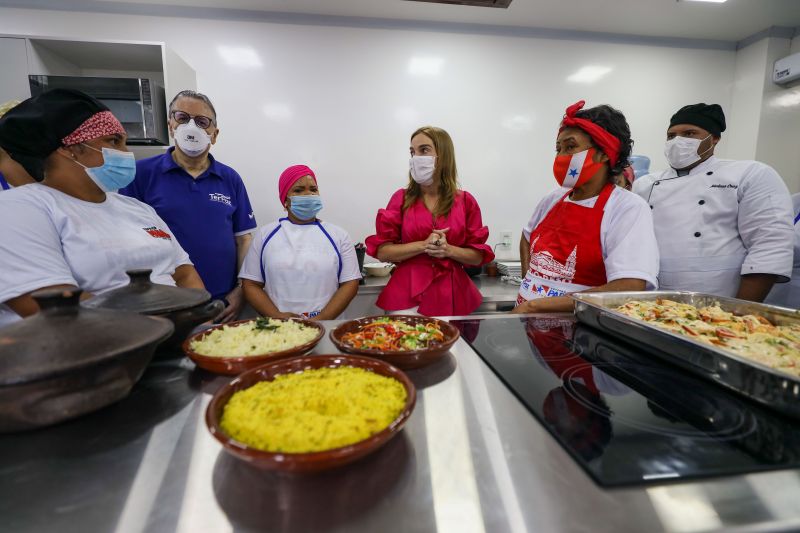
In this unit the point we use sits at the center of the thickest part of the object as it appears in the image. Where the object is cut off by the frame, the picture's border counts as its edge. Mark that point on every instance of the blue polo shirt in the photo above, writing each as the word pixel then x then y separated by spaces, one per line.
pixel 204 213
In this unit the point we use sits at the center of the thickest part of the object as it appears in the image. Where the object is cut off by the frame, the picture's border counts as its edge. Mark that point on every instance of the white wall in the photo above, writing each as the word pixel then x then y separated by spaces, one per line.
pixel 779 129
pixel 343 101
pixel 741 136
pixel 766 123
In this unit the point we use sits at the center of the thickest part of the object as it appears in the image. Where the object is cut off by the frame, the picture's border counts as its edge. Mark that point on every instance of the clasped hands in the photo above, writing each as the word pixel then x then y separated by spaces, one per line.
pixel 436 244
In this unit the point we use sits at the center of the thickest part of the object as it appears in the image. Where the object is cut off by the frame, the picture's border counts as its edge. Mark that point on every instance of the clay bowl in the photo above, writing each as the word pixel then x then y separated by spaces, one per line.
pixel 405 359
pixel 236 365
pixel 314 461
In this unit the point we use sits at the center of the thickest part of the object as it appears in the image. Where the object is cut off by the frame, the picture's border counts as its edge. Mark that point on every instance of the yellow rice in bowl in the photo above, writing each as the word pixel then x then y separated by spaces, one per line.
pixel 314 410
pixel 257 337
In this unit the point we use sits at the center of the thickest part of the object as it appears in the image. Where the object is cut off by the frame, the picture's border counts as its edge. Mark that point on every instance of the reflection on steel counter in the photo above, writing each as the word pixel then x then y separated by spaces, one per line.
pixel 265 501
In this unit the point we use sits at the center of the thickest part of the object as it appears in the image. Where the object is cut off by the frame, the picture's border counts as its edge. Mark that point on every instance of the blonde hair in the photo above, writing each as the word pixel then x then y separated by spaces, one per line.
pixel 445 170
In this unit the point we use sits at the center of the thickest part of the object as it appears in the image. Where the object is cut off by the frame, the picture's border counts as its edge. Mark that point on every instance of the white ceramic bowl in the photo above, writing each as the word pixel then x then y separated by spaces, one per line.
pixel 378 269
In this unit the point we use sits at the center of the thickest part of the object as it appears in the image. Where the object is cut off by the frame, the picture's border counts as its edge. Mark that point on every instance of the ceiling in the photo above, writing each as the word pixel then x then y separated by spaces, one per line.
pixel 732 21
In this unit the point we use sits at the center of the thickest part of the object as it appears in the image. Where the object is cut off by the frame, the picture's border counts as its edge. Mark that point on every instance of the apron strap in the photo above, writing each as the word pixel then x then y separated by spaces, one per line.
pixel 605 194
pixel 261 255
pixel 601 201
pixel 335 249
pixel 797 218
pixel 272 234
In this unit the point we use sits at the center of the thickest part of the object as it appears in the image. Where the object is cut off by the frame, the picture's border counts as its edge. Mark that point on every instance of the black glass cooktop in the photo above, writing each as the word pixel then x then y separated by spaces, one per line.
pixel 624 416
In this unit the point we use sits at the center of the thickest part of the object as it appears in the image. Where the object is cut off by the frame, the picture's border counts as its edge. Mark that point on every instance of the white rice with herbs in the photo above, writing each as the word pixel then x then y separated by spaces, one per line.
pixel 257 337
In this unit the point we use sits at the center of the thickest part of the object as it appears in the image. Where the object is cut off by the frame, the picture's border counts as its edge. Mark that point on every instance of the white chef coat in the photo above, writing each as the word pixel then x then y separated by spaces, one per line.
pixel 724 219
pixel 52 238
pixel 300 265
pixel 626 234
pixel 788 294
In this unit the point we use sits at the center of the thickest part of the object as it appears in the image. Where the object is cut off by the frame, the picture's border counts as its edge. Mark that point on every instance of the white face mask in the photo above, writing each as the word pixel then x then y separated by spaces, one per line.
pixel 192 139
pixel 681 152
pixel 422 167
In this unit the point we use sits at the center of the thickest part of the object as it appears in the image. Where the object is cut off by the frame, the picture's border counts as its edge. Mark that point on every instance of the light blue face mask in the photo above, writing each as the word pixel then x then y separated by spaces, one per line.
pixel 305 207
pixel 117 171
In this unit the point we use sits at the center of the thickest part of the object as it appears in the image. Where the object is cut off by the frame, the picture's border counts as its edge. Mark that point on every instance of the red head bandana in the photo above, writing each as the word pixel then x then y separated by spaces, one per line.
pixel 608 143
pixel 290 176
pixel 98 125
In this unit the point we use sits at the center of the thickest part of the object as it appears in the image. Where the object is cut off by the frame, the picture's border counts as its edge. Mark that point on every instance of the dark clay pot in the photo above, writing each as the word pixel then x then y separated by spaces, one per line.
pixel 185 308
pixel 66 360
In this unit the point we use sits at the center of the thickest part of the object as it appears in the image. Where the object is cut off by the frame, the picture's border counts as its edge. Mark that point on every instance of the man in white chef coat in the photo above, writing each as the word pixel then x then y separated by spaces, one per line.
pixel 723 227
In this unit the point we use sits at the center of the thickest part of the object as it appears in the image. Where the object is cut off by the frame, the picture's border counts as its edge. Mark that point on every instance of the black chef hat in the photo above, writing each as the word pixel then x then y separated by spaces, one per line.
pixel 708 116
pixel 35 128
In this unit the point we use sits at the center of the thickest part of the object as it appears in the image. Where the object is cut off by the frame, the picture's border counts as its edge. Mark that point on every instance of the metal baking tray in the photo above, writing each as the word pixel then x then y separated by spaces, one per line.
pixel 773 388
pixel 761 433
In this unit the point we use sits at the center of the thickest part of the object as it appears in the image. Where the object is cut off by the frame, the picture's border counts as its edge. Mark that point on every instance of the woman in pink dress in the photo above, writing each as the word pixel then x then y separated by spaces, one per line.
pixel 431 229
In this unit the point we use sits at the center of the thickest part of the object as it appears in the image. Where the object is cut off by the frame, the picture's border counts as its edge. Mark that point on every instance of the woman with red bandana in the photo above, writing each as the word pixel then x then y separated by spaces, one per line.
pixel 299 265
pixel 589 235
pixel 75 230
pixel 432 229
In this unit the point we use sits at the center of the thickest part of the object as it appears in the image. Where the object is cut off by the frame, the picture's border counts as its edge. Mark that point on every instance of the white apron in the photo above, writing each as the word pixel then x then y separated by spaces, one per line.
pixel 695 218
pixel 300 266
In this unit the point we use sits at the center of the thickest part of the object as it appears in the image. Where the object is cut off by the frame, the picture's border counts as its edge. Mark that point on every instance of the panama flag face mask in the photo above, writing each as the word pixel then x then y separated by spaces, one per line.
pixel 574 170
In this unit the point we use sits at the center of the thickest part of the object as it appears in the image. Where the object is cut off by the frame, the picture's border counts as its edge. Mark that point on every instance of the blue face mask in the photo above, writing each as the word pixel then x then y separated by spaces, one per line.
pixel 305 207
pixel 117 171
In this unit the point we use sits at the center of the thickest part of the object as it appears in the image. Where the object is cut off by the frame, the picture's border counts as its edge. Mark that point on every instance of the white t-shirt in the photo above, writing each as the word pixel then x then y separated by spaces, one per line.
pixel 51 238
pixel 627 237
pixel 302 265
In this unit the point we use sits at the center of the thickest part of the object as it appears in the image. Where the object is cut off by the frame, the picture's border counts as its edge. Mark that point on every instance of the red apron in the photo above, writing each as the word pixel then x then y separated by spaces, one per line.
pixel 566 252
pixel 553 346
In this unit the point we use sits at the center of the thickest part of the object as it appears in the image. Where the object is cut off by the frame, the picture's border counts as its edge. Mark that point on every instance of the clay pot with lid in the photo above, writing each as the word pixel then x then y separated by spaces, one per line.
pixel 67 360
pixel 185 308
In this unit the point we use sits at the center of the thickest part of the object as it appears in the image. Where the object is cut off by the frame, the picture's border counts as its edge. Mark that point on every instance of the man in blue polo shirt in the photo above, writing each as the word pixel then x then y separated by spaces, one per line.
pixel 203 202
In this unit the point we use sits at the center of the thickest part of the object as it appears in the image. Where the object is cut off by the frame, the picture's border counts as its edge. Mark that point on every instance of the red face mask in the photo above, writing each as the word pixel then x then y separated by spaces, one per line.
pixel 574 170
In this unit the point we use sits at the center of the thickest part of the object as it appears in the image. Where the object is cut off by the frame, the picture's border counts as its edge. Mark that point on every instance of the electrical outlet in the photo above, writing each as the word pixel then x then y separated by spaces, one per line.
pixel 505 238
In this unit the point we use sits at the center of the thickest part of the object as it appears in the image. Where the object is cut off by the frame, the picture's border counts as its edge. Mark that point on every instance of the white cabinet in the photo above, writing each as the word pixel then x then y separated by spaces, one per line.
pixel 14 70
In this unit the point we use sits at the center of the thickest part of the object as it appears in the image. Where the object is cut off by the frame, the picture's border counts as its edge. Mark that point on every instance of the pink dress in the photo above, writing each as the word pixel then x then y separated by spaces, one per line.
pixel 440 287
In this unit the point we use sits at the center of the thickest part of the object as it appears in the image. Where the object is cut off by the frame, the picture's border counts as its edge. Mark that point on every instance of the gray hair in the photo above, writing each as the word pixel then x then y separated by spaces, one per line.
pixel 188 93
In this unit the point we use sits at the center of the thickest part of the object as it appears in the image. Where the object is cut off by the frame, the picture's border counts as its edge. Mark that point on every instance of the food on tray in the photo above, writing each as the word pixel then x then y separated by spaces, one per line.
pixel 751 336
pixel 313 410
pixel 386 334
pixel 256 337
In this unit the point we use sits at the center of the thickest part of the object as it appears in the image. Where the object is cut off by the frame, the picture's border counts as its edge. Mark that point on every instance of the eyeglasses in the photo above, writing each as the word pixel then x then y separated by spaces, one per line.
pixel 203 122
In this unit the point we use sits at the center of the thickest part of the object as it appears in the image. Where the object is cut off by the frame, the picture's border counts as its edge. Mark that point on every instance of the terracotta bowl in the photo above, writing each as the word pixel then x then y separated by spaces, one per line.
pixel 315 461
pixel 404 359
pixel 236 365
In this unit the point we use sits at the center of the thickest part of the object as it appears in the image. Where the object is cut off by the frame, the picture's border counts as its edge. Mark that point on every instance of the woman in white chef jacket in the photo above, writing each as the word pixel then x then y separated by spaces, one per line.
pixel 788 294
pixel 299 265
pixel 723 227
pixel 71 229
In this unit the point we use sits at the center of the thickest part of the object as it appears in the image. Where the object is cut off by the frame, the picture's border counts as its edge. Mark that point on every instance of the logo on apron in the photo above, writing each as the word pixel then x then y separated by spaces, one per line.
pixel 546 267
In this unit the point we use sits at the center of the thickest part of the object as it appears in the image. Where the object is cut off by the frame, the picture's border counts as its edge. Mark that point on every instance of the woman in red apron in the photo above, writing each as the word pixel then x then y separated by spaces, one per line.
pixel 590 235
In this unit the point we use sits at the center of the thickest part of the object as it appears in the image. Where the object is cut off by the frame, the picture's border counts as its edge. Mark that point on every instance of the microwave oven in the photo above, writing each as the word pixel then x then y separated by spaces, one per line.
pixel 138 103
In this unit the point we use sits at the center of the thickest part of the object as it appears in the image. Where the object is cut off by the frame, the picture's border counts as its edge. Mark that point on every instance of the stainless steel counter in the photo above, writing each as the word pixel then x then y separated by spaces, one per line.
pixel 492 288
pixel 471 458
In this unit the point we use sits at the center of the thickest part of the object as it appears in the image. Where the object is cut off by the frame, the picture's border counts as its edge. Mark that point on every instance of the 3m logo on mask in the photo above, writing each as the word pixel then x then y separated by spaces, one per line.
pixel 221 198
pixel 158 233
